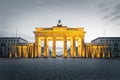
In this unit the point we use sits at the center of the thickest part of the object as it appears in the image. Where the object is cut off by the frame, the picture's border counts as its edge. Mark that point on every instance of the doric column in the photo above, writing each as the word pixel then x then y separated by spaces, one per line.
pixel 36 46
pixel 54 48
pixel 32 52
pixel 98 51
pixel 45 47
pixel 79 47
pixel 83 48
pixel 26 52
pixel 109 54
pixel 72 50
pixel 39 48
pixel 65 48
pixel 20 52
pixel 22 56
pixel 92 53
pixel 86 51
pixel 103 54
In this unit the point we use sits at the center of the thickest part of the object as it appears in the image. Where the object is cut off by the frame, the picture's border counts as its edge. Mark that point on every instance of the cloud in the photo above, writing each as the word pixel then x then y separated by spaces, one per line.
pixel 117 17
pixel 111 10
pixel 27 14
pixel 105 3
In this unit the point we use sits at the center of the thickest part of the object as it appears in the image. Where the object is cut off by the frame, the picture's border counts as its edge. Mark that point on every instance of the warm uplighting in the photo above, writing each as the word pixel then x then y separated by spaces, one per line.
pixel 60 33
pixel 108 54
pixel 10 55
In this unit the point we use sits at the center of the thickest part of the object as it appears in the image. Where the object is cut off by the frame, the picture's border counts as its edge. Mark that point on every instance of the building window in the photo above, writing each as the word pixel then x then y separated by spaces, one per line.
pixel 2 44
pixel 115 44
pixel 110 49
pixel 115 49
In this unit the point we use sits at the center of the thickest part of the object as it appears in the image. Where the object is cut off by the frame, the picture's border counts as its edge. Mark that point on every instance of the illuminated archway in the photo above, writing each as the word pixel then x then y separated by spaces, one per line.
pixel 61 33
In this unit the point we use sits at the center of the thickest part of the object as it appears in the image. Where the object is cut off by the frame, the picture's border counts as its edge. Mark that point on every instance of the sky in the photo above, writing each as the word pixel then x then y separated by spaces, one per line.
pixel 98 17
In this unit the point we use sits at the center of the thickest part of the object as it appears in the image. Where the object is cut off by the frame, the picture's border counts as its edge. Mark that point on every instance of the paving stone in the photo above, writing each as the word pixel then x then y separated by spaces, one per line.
pixel 59 69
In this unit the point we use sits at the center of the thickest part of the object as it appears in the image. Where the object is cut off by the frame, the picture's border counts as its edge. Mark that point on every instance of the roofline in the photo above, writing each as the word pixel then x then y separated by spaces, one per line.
pixel 13 38
pixel 106 38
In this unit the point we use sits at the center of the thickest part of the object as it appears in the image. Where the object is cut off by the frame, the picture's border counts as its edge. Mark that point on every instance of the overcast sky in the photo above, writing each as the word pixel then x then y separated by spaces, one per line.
pixel 98 17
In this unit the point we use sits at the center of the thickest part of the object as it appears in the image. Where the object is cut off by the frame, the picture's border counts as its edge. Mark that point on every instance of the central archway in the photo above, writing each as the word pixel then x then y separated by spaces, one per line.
pixel 59 48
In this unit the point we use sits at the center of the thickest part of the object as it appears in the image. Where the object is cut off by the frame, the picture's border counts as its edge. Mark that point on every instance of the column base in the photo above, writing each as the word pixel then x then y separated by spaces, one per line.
pixel 65 57
pixel 45 57
pixel 53 56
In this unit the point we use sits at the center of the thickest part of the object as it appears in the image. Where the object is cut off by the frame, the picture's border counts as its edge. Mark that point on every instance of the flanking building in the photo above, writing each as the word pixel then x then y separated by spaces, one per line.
pixel 113 42
pixel 7 42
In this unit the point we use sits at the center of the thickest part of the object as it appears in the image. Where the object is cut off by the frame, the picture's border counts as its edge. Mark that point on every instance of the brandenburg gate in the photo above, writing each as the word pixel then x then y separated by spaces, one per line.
pixel 59 33
pixel 64 34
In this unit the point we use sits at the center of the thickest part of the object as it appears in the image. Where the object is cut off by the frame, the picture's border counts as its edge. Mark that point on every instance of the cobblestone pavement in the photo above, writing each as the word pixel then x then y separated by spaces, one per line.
pixel 59 69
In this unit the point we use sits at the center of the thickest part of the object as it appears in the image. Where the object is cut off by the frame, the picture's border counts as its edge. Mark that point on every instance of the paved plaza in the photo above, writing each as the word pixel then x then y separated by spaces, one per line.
pixel 60 69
